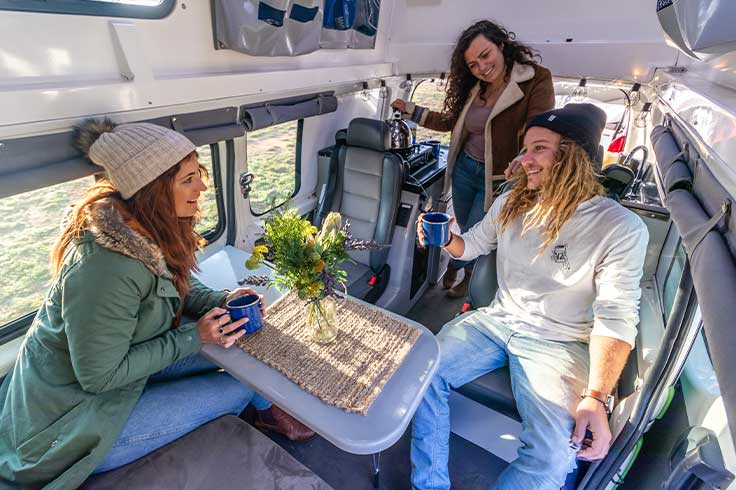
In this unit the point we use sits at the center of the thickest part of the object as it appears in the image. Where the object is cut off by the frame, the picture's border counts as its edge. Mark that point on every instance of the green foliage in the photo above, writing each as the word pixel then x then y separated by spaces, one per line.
pixel 305 260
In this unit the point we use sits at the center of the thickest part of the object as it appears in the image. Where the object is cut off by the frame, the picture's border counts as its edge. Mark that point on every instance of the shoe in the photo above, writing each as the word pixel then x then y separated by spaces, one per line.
pixel 448 280
pixel 461 290
pixel 277 420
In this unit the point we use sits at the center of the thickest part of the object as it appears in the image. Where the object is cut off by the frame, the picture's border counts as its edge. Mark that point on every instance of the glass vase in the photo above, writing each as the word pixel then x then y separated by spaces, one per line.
pixel 321 319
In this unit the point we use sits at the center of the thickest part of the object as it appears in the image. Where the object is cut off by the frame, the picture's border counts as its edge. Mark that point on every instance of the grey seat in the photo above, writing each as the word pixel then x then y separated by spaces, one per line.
pixel 367 193
pixel 226 453
pixel 493 389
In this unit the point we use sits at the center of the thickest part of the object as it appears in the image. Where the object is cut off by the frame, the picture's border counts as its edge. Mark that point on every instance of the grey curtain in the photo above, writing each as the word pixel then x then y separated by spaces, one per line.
pixel 700 208
pixel 262 115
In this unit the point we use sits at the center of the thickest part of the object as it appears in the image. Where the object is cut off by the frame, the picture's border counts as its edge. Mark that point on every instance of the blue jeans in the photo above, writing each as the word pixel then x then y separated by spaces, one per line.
pixel 175 401
pixel 547 378
pixel 468 197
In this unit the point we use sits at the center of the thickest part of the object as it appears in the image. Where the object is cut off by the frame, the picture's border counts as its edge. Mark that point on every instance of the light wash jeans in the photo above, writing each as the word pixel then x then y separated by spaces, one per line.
pixel 176 400
pixel 547 378
pixel 468 196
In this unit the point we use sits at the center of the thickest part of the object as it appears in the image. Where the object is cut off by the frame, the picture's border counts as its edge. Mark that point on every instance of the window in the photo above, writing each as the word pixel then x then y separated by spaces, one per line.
pixel 427 94
pixel 273 156
pixel 144 9
pixel 672 281
pixel 29 225
pixel 211 222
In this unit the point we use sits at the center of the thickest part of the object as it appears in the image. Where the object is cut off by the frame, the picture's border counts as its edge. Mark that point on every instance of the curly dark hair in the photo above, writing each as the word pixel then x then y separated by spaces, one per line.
pixel 461 80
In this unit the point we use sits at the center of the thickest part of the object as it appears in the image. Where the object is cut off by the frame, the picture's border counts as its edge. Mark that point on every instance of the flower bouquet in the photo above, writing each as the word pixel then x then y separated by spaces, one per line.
pixel 306 260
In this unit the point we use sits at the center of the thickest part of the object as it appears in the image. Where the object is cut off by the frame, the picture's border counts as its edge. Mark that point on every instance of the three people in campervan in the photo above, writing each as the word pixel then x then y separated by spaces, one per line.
pixel 102 371
pixel 494 89
pixel 565 316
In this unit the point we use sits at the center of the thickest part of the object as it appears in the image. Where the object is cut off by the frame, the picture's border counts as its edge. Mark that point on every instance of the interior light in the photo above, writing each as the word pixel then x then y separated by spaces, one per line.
pixel 407 84
pixel 634 95
pixel 580 93
pixel 383 90
pixel 365 94
pixel 442 82
pixel 642 119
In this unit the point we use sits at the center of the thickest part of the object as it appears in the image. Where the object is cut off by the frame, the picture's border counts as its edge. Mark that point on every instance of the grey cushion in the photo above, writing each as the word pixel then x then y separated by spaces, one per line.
pixel 358 276
pixel 494 391
pixel 372 134
pixel 226 453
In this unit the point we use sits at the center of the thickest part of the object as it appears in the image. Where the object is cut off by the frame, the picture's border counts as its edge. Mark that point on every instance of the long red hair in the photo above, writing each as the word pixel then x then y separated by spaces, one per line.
pixel 150 212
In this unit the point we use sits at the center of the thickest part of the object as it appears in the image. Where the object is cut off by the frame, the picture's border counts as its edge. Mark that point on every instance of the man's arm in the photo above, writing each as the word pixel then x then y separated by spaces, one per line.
pixel 616 315
pixel 607 359
pixel 456 245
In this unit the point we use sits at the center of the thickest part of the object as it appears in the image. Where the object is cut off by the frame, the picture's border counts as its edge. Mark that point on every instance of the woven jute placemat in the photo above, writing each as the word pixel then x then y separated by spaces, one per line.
pixel 348 373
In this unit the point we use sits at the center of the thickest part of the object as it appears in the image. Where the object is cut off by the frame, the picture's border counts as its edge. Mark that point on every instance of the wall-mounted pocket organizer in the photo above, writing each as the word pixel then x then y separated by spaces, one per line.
pixel 294 27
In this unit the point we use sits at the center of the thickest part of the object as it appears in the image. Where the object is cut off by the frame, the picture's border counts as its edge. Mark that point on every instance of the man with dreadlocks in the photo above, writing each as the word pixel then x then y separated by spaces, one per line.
pixel 569 262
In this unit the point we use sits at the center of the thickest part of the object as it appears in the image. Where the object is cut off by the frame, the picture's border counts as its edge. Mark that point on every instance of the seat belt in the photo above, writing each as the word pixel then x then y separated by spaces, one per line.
pixel 328 191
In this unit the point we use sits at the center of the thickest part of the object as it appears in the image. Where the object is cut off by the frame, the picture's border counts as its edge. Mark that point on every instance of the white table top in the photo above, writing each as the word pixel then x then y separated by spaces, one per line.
pixel 388 416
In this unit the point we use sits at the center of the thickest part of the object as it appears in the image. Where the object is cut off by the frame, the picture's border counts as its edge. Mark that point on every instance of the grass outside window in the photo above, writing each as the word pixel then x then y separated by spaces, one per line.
pixel 272 155
pixel 30 223
pixel 426 94
pixel 209 224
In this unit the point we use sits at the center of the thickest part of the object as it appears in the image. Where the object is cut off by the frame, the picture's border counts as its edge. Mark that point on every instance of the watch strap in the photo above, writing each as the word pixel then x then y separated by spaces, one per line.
pixel 604 398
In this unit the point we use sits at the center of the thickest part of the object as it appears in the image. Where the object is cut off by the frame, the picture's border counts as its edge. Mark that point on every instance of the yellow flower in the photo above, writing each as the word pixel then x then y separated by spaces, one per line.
pixel 319 266
pixel 253 262
pixel 260 250
pixel 331 225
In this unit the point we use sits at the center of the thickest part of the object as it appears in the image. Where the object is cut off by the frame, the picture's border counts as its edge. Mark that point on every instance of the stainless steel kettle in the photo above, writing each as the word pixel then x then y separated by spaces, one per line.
pixel 400 132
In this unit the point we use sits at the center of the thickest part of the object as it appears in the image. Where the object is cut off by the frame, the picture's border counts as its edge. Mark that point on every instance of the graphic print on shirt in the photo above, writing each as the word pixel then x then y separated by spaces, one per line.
pixel 559 256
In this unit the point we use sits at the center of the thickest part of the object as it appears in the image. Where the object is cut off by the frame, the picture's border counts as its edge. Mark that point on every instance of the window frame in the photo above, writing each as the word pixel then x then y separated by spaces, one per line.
pixel 297 169
pixel 92 8
pixel 215 233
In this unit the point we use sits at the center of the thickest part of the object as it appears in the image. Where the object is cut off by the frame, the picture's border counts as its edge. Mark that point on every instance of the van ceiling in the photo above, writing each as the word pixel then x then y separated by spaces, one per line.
pixel 608 40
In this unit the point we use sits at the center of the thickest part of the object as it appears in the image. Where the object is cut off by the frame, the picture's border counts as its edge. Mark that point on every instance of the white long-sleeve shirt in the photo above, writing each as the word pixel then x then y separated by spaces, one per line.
pixel 585 283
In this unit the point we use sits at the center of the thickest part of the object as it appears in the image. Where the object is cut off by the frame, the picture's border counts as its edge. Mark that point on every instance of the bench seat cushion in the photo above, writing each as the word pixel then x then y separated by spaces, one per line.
pixel 494 391
pixel 226 453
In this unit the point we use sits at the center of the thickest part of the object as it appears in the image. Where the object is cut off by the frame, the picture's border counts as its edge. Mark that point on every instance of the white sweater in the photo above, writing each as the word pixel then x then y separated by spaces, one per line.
pixel 585 283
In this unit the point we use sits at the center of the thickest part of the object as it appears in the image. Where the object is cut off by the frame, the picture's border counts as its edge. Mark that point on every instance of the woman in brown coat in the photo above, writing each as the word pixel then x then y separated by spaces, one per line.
pixel 494 89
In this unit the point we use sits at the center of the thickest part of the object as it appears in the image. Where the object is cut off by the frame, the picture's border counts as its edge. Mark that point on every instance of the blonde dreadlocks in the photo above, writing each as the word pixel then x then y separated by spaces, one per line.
pixel 572 181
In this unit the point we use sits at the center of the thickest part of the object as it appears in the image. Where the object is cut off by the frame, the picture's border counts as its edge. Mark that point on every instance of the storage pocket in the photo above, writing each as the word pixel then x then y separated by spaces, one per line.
pixel 270 15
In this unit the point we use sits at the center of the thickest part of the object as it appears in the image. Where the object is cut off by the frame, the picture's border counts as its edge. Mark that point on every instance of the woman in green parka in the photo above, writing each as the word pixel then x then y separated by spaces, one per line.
pixel 108 371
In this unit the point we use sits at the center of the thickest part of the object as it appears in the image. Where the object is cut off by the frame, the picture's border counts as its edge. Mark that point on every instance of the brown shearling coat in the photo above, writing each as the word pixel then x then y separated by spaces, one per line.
pixel 529 92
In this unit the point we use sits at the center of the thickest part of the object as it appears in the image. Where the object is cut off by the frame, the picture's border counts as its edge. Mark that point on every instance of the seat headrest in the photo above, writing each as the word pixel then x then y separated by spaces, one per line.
pixel 369 133
pixel 617 180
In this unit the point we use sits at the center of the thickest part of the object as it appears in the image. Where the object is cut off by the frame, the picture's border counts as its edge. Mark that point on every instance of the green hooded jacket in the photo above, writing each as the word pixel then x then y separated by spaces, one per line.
pixel 103 329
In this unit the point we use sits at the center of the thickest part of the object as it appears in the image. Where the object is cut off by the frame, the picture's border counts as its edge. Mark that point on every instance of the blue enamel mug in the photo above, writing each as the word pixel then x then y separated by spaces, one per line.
pixel 249 307
pixel 435 144
pixel 436 228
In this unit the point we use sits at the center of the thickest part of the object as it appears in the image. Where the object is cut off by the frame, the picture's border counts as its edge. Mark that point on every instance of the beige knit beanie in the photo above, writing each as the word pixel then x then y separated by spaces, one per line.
pixel 133 155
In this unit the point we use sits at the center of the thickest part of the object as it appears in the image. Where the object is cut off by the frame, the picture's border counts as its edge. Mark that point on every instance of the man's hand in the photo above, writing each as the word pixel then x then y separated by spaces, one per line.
pixel 244 292
pixel 591 415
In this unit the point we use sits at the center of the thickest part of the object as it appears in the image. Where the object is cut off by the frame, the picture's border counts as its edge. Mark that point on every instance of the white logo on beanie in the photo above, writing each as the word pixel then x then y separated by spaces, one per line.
pixel 552 117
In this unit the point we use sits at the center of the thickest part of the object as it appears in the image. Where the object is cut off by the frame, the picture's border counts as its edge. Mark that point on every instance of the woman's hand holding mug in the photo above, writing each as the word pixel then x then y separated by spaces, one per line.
pixel 215 327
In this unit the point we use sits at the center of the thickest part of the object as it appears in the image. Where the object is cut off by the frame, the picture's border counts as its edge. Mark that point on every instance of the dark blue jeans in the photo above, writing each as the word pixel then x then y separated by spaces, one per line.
pixel 468 196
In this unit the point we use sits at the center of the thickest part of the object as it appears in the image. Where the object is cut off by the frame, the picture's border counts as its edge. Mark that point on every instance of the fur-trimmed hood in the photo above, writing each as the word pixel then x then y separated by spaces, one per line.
pixel 111 231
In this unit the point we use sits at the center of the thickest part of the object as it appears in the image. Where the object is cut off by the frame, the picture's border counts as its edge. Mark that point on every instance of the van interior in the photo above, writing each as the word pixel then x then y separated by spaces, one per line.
pixel 287 105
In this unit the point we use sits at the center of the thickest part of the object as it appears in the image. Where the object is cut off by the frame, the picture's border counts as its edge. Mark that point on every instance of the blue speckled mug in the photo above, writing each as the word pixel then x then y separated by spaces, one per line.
pixel 436 228
pixel 247 306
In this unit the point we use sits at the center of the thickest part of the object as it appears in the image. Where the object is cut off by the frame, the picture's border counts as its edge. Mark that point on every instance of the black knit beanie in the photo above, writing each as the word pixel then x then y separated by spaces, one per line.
pixel 581 123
